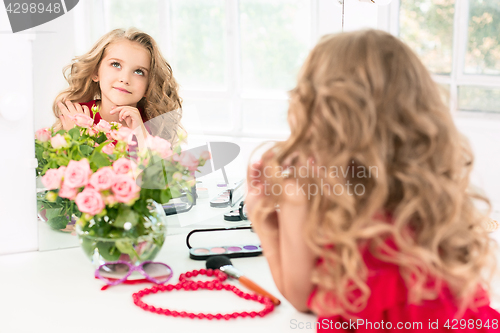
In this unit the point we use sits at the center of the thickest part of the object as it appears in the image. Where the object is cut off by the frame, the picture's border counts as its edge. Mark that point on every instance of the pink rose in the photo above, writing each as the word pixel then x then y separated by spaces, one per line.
pixel 108 149
pixel 103 126
pixel 92 131
pixel 122 134
pixel 189 161
pixel 177 176
pixel 67 192
pixel 58 141
pixel 77 173
pixel 159 145
pixel 89 201
pixel 102 179
pixel 82 120
pixel 205 155
pixel 124 166
pixel 43 135
pixel 52 179
pixel 125 189
pixel 110 200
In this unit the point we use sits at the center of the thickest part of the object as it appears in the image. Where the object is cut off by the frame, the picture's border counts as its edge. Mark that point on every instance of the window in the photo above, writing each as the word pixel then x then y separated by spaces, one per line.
pixel 235 59
pixel 459 41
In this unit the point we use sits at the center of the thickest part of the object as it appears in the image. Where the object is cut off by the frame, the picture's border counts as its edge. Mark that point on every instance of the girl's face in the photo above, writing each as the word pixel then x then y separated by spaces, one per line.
pixel 123 73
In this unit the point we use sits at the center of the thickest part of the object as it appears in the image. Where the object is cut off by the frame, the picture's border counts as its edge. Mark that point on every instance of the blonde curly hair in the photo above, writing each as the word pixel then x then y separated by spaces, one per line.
pixel 162 96
pixel 364 100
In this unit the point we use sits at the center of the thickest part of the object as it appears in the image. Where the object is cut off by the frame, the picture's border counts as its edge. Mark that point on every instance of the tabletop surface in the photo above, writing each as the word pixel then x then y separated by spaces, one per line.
pixel 55 291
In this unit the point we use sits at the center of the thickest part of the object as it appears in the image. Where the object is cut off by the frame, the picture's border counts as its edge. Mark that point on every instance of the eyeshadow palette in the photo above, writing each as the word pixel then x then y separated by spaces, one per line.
pixel 229 197
pixel 234 251
pixel 247 246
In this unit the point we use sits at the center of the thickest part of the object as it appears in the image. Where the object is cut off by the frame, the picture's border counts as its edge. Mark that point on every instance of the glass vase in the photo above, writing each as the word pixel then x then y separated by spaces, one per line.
pixel 120 244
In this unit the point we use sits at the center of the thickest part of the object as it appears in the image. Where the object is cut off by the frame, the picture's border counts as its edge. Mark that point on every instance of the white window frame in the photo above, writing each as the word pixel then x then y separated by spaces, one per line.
pixel 457 77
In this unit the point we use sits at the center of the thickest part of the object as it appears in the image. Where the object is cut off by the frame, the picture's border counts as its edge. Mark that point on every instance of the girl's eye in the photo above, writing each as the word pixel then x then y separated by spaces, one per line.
pixel 115 64
pixel 139 71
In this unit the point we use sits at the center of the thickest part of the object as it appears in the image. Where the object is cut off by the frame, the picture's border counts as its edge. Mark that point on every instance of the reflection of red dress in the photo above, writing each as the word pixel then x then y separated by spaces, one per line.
pixel 98 118
pixel 388 305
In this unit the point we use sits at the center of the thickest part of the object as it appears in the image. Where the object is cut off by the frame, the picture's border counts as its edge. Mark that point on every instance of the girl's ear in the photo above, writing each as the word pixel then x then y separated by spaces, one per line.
pixel 95 78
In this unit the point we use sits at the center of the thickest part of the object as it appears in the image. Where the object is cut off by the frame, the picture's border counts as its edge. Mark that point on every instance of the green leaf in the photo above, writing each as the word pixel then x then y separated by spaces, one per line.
pixel 165 196
pixel 108 251
pixel 74 133
pixel 99 159
pixel 101 138
pixel 126 215
pixel 86 150
pixel 126 246
pixel 175 192
pixel 52 213
pixel 59 222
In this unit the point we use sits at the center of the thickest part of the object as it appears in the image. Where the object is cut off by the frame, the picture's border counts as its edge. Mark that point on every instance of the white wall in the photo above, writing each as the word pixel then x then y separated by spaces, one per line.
pixel 18 230
pixel 53 48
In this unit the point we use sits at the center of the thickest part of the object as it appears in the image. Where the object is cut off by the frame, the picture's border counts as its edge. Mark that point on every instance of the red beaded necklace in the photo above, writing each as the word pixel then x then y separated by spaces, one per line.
pixel 217 284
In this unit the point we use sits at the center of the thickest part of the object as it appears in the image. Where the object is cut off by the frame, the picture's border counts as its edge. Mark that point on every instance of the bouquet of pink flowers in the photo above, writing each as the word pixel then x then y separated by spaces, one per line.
pixel 91 175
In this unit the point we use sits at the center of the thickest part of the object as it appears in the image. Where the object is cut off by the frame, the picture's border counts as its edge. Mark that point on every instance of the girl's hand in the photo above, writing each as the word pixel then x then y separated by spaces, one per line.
pixel 129 114
pixel 133 120
pixel 264 221
pixel 69 109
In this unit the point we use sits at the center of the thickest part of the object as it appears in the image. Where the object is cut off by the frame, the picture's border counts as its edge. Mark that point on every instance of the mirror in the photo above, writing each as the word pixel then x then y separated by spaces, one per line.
pixel 234 60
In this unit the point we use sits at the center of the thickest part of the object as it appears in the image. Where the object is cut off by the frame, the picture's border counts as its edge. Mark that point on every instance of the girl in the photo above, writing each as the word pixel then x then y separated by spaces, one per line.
pixel 375 228
pixel 127 78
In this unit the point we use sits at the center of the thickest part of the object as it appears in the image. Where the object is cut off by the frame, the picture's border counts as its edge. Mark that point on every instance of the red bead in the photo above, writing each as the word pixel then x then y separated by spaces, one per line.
pixel 210 316
pixel 210 272
pixel 253 314
pixel 235 314
pixel 218 316
pixel 201 315
pixel 247 296
pixel 170 287
pixel 195 273
pixel 227 316
pixel 228 287
pixel 178 286
pixel 218 287
pixel 183 314
pixel 182 277
pixel 195 287
pixel 166 312
pixel 174 313
pixel 244 314
pixel 191 315
pixel 188 274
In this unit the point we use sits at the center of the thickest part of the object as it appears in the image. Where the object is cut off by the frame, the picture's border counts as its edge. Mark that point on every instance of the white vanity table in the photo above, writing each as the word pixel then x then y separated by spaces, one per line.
pixel 55 291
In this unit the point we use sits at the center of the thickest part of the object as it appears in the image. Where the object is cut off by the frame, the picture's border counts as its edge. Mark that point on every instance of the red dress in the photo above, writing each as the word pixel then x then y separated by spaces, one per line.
pixel 388 310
